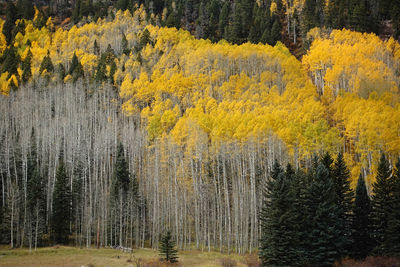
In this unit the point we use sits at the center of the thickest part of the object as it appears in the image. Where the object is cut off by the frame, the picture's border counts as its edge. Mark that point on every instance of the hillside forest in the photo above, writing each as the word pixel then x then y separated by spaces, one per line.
pixel 116 129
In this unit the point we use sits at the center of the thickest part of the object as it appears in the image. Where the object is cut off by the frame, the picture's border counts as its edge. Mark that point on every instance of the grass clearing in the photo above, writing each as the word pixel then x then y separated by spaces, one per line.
pixel 63 256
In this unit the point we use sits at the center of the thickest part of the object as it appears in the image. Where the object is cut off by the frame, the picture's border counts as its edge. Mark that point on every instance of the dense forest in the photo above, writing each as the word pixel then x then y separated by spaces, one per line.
pixel 116 129
pixel 237 21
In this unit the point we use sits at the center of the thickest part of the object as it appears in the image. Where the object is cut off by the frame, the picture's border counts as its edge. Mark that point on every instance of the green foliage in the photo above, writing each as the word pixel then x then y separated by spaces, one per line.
pixel 125 45
pixel 61 209
pixel 96 48
pixel 26 68
pixel 361 226
pixel 46 64
pixel 76 13
pixel 10 61
pixel 392 241
pixel 121 177
pixel 381 204
pixel 76 68
pixel 344 200
pixel 9 24
pixel 167 248
pixel 277 220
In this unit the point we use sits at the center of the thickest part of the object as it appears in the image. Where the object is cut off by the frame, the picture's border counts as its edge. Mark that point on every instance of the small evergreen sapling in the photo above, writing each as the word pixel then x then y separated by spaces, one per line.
pixel 167 248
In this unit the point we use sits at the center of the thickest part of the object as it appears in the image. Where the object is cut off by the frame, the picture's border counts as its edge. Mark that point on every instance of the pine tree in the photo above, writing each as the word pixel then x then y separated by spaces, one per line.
pixel 167 248
pixel 381 204
pixel 125 45
pixel 361 225
pixel 76 68
pixel 46 64
pixel 275 35
pixel 392 241
pixel 100 74
pixel 344 199
pixel 26 67
pixel 121 173
pixel 144 39
pixel 223 19
pixel 61 71
pixel 323 238
pixel 60 217
pixel 10 61
pixel 96 48
pixel 277 220
pixel 76 13
pixel 9 24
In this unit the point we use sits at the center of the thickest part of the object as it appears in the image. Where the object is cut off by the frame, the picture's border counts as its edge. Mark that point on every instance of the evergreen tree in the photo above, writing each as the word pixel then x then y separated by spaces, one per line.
pixel 361 225
pixel 26 67
pixel 392 241
pixel 125 45
pixel 46 64
pixel 25 9
pixel 76 13
pixel 121 173
pixel 277 228
pixel 100 74
pixel 76 68
pixel 167 248
pixel 9 24
pixel 144 39
pixel 96 48
pixel 223 19
pixel 381 204
pixel 61 71
pixel 10 61
pixel 275 35
pixel 60 217
pixel 344 199
pixel 323 240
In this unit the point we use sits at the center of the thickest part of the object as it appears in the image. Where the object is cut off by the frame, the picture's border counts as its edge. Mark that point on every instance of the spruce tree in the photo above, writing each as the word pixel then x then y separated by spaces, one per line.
pixel 76 13
pixel 76 68
pixel 121 173
pixel 46 64
pixel 10 61
pixel 275 35
pixel 381 204
pixel 323 240
pixel 392 241
pixel 361 226
pixel 277 220
pixel 125 45
pixel 96 48
pixel 9 24
pixel 167 248
pixel 344 199
pixel 26 67
pixel 60 217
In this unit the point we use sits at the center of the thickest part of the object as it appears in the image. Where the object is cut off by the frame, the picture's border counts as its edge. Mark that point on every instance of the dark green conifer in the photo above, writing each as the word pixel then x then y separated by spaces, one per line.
pixel 381 204
pixel 10 61
pixel 167 248
pixel 344 200
pixel 275 35
pixel 323 240
pixel 61 209
pixel 125 45
pixel 76 68
pixel 9 24
pixel 46 64
pixel 392 240
pixel 26 67
pixel 361 225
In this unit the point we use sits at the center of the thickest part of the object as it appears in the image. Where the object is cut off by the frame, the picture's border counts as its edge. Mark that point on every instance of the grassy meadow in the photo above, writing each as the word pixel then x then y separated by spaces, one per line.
pixel 63 256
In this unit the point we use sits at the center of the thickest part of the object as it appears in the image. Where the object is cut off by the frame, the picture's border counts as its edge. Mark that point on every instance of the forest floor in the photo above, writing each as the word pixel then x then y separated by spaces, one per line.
pixel 62 256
